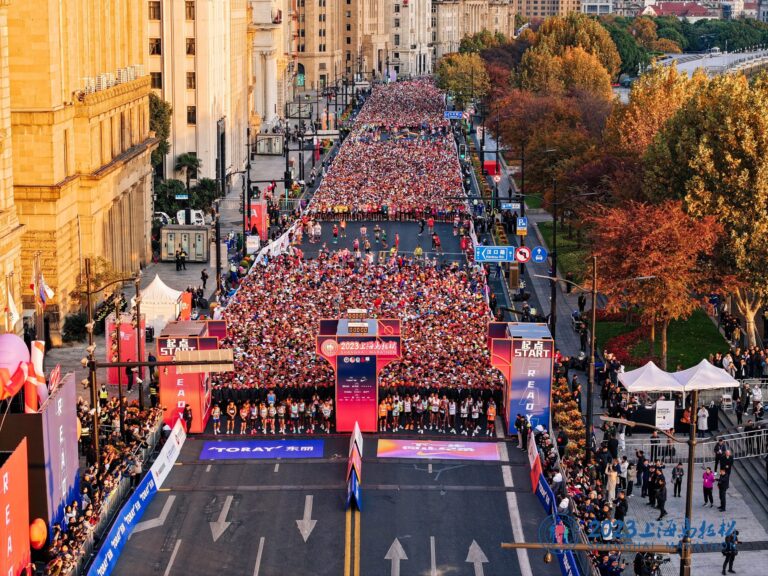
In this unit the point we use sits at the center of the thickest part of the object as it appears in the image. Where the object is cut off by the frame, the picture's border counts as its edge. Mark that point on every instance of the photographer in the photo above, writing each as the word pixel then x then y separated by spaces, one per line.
pixel 729 551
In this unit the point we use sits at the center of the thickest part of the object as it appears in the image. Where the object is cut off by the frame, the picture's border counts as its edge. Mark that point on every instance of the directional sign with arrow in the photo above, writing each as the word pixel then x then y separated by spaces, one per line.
pixel 494 253
pixel 539 254
pixel 477 557
pixel 395 554
pixel 306 524
pixel 220 526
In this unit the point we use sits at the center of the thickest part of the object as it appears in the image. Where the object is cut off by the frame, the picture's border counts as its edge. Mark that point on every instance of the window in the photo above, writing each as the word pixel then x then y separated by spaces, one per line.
pixel 397 22
pixel 189 9
pixel 322 17
pixel 397 8
pixel 154 10
pixel 190 46
pixel 349 40
pixel 396 55
pixel 157 80
pixel 397 39
pixel 191 81
pixel 192 115
pixel 302 33
pixel 155 47
pixel 321 48
pixel 301 48
pixel 321 33
pixel 349 27
pixel 349 13
pixel 349 58
pixel 321 3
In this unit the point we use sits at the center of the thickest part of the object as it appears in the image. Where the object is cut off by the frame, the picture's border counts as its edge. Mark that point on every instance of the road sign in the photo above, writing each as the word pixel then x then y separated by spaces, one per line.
pixel 522 226
pixel 453 115
pixel 182 197
pixel 494 253
pixel 523 254
pixel 510 206
pixel 497 178
pixel 539 254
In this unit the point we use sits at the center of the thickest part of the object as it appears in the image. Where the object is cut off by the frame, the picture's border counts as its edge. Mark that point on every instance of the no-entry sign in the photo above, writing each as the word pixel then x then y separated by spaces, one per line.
pixel 523 254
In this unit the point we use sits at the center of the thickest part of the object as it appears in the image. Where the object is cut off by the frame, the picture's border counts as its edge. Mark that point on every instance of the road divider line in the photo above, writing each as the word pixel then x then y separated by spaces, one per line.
pixel 348 543
pixel 506 473
pixel 277 466
pixel 357 543
pixel 258 557
pixel 499 426
pixel 173 557
pixel 503 452
pixel 517 533
pixel 432 556
pixel 208 468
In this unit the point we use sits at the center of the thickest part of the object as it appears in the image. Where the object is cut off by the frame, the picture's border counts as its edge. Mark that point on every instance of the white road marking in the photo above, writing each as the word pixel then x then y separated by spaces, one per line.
pixel 156 522
pixel 499 427
pixel 173 557
pixel 277 466
pixel 477 558
pixel 517 532
pixel 306 524
pixel 258 557
pixel 506 473
pixel 429 468
pixel 503 453
pixel 220 526
pixel 395 554
pixel 208 468
pixel 433 555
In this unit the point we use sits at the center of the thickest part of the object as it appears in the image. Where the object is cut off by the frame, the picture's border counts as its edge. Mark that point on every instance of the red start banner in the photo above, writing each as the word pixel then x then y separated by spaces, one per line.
pixel 357 354
pixel 14 512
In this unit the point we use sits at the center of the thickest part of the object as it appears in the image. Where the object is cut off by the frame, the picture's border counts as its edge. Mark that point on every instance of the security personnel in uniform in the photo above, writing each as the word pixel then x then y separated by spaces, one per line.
pixel 103 396
pixel 153 392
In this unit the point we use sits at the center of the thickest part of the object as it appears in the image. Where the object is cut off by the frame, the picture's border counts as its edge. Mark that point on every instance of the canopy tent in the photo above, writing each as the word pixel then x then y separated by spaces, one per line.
pixel 159 304
pixel 651 378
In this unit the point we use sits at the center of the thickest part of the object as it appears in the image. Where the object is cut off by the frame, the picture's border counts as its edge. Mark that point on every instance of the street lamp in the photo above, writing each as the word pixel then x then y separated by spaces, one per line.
pixel 592 340
pixel 685 545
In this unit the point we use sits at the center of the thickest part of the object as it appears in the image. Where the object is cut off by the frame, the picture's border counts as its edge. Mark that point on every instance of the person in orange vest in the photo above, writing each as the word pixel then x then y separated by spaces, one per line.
pixel 491 416
pixel 383 415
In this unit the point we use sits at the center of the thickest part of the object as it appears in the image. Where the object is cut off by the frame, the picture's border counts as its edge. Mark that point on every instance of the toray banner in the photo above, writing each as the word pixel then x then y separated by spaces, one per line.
pixel 14 506
pixel 546 496
pixel 127 347
pixel 62 478
pixel 358 350
pixel 526 363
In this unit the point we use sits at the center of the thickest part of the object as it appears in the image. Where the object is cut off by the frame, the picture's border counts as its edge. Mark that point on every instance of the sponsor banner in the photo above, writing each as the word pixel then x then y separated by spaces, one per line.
pixel 168 455
pixel 530 381
pixel 261 449
pixel 356 392
pixel 535 474
pixel 185 309
pixel 665 414
pixel 429 449
pixel 546 496
pixel 130 514
pixel 62 462
pixel 533 451
pixel 260 219
pixel 14 504
pixel 127 347
pixel 568 565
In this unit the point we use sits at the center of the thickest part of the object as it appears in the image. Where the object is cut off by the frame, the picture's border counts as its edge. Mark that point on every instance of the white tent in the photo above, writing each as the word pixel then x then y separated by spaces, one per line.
pixel 649 378
pixel 704 376
pixel 159 304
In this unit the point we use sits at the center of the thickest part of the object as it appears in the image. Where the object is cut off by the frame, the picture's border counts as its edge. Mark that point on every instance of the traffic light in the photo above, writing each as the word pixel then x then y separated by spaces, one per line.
pixel 288 179
pixel 462 151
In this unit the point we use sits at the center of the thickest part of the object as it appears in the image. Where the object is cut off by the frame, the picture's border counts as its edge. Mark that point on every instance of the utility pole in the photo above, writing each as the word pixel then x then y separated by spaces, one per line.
pixel 9 324
pixel 95 408
pixel 218 249
pixel 247 190
pixel 139 339
pixel 553 292
pixel 118 326
pixel 39 307
pixel 591 374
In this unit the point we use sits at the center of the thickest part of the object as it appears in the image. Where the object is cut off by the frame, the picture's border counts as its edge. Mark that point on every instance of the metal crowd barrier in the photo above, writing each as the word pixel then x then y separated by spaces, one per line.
pixel 741 444
pixel 717 395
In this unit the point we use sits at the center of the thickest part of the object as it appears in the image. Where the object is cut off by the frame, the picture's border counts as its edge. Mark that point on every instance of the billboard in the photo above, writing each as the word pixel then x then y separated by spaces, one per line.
pixel 357 361
pixel 440 450
pixel 14 504
pixel 261 449
pixel 62 478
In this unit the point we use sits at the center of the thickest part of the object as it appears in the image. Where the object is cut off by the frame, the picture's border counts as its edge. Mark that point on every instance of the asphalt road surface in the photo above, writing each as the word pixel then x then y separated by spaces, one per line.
pixel 426 516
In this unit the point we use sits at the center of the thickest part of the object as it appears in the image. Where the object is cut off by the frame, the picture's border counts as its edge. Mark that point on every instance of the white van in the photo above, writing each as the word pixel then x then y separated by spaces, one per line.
pixel 197 217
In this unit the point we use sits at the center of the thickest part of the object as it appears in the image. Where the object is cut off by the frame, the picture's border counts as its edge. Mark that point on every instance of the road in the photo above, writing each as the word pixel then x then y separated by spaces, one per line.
pixel 419 516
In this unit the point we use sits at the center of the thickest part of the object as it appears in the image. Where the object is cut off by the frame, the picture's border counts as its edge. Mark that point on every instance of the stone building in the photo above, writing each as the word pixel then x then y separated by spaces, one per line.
pixel 10 230
pixel 452 20
pixel 82 179
pixel 199 62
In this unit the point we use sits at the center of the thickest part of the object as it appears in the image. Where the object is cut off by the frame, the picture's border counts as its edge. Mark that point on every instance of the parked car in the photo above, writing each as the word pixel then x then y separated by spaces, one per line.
pixel 197 217
pixel 162 217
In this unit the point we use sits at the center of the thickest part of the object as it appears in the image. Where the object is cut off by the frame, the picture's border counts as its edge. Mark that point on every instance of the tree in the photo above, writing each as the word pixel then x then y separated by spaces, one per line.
pixel 644 30
pixel 655 97
pixel 160 124
pixel 188 163
pixel 204 194
pixel 102 273
pixel 165 196
pixel 583 72
pixel 712 155
pixel 480 41
pixel 653 257
pixel 633 56
pixel 464 76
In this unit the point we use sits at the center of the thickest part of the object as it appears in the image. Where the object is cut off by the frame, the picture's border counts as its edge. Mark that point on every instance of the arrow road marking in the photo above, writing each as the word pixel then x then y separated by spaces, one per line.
pixel 306 525
pixel 433 556
pixel 173 558
pixel 156 522
pixel 258 557
pixel 220 526
pixel 476 557
pixel 395 554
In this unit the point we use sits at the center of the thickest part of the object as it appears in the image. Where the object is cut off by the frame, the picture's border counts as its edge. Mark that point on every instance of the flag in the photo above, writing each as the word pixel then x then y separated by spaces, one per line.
pixel 13 312
pixel 45 292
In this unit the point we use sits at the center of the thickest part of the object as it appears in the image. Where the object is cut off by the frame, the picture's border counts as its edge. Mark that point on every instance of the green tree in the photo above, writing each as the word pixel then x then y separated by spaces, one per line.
pixel 464 76
pixel 165 196
pixel 188 163
pixel 160 124
pixel 203 195
pixel 712 154
pixel 633 56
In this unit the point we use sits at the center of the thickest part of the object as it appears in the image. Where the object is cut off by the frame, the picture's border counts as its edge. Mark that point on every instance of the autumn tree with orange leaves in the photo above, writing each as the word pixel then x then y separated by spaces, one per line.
pixel 653 257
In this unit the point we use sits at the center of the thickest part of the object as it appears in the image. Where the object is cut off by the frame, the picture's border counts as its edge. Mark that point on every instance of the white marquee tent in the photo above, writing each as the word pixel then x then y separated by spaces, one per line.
pixel 651 378
pixel 159 304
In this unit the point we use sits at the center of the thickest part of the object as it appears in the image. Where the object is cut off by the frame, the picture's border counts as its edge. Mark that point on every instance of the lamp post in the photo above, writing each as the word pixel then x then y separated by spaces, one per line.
pixel 686 547
pixel 592 339
pixel 247 189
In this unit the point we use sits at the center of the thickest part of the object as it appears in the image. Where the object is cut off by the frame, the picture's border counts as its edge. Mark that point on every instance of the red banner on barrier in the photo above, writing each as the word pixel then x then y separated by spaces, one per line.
pixel 14 504
pixel 127 346
pixel 260 218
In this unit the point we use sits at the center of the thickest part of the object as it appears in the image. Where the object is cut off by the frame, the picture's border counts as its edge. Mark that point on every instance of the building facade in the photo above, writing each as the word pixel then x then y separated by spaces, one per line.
pixel 82 178
pixel 199 62
pixel 544 8
pixel 10 229
pixel 452 20
pixel 410 47
pixel 597 7
pixel 319 42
